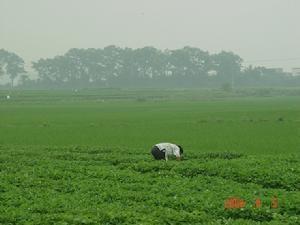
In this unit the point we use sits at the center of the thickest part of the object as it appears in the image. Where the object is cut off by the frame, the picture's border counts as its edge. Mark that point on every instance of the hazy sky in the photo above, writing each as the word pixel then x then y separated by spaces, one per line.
pixel 257 30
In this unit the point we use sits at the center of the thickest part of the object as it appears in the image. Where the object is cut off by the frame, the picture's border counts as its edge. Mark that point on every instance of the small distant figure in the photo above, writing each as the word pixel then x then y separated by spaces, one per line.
pixel 164 150
pixel 7 97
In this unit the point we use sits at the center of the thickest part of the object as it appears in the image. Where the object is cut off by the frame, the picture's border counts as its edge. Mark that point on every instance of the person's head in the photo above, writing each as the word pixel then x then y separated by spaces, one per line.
pixel 181 149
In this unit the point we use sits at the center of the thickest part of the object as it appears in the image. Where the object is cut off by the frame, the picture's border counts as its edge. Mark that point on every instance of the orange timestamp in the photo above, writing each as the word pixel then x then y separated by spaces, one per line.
pixel 238 203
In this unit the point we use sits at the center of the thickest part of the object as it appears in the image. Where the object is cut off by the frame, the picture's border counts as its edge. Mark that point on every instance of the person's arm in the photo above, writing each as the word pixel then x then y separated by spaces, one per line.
pixel 177 154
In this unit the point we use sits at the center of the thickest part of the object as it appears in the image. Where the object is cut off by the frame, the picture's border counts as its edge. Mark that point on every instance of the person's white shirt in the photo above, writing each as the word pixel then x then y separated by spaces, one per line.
pixel 169 149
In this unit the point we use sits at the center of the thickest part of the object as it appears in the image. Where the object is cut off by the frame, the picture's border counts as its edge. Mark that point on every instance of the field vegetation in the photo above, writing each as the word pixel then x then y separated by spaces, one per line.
pixel 83 157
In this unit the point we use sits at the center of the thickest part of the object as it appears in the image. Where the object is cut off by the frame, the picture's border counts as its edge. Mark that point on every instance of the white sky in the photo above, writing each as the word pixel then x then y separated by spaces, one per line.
pixel 257 30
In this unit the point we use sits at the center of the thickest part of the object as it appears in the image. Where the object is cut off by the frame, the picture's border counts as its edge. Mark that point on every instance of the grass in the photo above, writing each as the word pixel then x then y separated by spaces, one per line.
pixel 83 158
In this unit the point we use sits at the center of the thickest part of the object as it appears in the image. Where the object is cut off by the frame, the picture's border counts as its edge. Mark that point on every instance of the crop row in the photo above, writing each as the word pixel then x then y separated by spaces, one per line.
pixel 83 185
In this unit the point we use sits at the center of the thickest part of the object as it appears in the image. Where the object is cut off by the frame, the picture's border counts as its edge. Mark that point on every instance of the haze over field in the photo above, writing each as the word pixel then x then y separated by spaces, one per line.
pixel 261 32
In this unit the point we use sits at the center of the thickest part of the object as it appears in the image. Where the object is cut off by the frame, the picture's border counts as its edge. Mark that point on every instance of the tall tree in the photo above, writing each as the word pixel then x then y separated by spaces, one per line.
pixel 11 65
pixel 2 62
pixel 228 66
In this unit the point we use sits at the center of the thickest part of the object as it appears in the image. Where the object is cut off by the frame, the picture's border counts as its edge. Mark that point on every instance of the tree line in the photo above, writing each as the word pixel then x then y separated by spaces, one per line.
pixel 113 66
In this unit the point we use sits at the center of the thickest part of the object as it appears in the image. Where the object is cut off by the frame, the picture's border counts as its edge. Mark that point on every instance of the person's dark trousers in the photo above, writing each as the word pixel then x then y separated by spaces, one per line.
pixel 157 154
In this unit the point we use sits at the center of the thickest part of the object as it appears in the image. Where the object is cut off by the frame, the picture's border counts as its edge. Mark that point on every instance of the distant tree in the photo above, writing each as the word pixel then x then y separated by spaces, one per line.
pixel 148 62
pixel 2 62
pixel 79 65
pixel 228 66
pixel 115 66
pixel 47 70
pixel 262 76
pixel 11 65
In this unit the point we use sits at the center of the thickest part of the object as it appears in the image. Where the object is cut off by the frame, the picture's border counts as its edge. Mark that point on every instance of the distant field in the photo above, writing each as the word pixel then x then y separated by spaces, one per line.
pixel 137 119
pixel 82 157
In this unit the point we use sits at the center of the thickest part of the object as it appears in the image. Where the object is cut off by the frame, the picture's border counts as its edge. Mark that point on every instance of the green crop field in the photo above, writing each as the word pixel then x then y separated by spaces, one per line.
pixel 83 157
